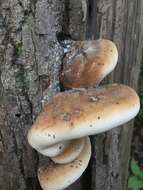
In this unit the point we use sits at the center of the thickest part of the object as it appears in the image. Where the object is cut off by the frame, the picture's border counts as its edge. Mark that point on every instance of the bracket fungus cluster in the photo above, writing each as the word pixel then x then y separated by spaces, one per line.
pixel 61 130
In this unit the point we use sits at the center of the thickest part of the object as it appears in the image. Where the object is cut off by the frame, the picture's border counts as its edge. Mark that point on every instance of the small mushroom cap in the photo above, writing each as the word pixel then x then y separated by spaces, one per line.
pixel 90 64
pixel 57 177
pixel 71 115
pixel 71 152
pixel 55 149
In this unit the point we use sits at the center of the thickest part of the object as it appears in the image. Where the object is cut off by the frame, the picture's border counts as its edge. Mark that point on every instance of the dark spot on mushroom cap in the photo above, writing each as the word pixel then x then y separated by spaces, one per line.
pixel 117 102
pixel 72 124
pixel 98 117
pixel 66 116
pixel 39 171
pixel 54 136
pixel 100 63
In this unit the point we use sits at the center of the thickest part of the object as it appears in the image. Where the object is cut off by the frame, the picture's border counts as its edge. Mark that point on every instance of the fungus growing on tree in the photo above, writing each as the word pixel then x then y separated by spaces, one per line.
pixel 89 63
pixel 72 115
pixel 61 130
pixel 60 176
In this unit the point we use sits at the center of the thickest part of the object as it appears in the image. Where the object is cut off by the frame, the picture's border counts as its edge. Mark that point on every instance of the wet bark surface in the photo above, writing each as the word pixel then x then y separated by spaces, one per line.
pixel 30 63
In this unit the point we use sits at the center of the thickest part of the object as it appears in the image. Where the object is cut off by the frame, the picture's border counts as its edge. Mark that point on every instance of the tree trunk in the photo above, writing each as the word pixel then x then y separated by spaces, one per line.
pixel 30 62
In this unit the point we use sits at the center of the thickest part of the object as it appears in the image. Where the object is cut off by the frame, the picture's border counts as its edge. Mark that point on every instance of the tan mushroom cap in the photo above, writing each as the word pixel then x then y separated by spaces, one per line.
pixel 71 152
pixel 71 115
pixel 58 177
pixel 95 60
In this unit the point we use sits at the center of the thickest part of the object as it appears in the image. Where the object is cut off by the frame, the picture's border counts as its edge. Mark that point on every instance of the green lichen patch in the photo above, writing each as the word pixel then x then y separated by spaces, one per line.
pixel 18 48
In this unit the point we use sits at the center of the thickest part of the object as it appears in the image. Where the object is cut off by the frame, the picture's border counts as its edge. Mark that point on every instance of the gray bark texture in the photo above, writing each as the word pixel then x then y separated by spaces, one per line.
pixel 30 63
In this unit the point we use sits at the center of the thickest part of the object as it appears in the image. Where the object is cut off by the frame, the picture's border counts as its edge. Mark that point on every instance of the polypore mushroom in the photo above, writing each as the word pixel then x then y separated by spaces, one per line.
pixel 58 177
pixel 61 129
pixel 71 115
pixel 89 63
pixel 75 114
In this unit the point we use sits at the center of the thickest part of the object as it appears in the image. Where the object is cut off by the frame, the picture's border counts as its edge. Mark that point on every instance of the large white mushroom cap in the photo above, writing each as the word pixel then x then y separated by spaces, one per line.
pixel 71 115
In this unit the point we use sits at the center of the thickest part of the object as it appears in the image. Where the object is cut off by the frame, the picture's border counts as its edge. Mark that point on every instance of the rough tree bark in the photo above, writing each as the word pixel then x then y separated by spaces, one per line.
pixel 30 62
